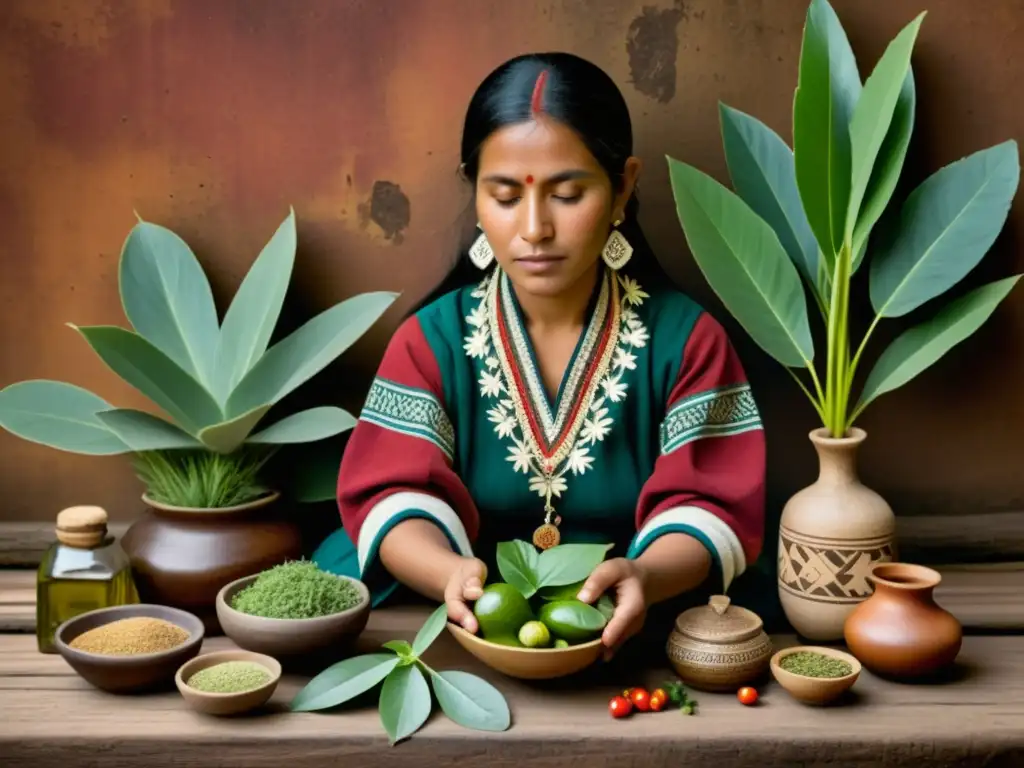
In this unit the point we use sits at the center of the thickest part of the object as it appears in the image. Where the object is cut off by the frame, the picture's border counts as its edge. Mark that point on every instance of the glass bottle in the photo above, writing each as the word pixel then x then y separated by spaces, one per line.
pixel 84 569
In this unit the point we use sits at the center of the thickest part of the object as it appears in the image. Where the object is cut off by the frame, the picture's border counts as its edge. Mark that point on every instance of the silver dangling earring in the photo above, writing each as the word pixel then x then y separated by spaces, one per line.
pixel 481 253
pixel 617 251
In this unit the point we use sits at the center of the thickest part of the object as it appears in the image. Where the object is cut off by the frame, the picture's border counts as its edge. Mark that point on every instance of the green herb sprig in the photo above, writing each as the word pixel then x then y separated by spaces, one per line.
pixel 557 573
pixel 405 700
pixel 680 697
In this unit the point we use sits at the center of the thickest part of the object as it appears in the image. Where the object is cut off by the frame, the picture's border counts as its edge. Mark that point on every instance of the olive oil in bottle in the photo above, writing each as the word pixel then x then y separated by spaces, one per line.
pixel 83 570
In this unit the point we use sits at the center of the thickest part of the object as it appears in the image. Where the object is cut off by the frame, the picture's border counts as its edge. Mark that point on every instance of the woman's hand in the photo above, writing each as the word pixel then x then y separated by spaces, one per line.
pixel 627 578
pixel 466 583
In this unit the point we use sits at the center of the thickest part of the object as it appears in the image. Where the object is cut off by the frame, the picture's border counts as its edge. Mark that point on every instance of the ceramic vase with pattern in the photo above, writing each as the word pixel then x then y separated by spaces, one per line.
pixel 830 536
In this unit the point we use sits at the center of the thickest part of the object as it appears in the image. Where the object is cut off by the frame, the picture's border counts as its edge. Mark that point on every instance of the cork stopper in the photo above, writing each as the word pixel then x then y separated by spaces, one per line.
pixel 82 526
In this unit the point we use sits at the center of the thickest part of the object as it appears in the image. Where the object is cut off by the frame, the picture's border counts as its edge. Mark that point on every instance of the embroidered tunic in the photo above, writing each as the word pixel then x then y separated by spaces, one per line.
pixel 653 430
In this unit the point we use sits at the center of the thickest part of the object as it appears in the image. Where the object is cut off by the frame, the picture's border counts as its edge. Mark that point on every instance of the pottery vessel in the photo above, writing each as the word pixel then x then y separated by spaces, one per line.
pixel 830 535
pixel 719 646
pixel 814 690
pixel 182 557
pixel 900 631
pixel 227 703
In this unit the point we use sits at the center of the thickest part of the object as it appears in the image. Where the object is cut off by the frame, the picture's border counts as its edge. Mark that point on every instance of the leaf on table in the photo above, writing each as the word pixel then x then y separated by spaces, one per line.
pixel 405 702
pixel 470 701
pixel 431 628
pixel 343 681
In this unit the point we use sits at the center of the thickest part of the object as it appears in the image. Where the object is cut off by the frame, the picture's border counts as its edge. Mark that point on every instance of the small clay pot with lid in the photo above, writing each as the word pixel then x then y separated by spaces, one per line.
pixel 719 646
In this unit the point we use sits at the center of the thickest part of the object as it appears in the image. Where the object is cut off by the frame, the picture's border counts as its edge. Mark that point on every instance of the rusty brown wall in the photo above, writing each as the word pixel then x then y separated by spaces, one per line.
pixel 213 117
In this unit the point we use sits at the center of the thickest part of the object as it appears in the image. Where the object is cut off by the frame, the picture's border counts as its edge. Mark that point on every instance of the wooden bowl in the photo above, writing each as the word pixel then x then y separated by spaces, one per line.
pixel 227 703
pixel 528 663
pixel 292 638
pixel 138 672
pixel 815 690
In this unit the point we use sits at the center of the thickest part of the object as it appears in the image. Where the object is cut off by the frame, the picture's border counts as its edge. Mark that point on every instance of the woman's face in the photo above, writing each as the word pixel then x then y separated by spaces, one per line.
pixel 546 204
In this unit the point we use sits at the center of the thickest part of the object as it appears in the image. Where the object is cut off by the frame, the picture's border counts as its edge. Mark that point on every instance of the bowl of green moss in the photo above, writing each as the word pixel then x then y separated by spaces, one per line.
pixel 295 610
pixel 815 674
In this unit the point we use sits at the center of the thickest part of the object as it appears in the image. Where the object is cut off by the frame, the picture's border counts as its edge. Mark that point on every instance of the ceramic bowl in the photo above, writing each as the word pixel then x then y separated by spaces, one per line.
pixel 292 638
pixel 528 663
pixel 129 674
pixel 815 690
pixel 227 703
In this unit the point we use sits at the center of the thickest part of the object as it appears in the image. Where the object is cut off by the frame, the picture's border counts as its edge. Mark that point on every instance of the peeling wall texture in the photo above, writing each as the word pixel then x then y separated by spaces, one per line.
pixel 213 117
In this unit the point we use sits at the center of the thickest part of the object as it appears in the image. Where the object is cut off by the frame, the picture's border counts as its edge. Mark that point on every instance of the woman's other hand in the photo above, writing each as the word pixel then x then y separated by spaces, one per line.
pixel 466 584
pixel 627 579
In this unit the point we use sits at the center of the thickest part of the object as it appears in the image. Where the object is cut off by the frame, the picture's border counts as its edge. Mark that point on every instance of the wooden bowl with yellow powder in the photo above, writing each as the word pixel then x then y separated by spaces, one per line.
pixel 130 648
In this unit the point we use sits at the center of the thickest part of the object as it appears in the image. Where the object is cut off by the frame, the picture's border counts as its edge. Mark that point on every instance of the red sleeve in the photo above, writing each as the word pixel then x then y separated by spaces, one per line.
pixel 398 461
pixel 709 480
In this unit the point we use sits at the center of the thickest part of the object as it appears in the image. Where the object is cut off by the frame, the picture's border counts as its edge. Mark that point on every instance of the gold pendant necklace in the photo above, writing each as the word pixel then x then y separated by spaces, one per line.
pixel 547 535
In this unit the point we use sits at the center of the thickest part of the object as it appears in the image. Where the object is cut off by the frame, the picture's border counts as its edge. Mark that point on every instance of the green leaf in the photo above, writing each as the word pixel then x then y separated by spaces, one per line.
pixel 745 265
pixel 58 415
pixel 945 227
pixel 762 171
pixel 886 172
pixel 167 298
pixel 250 320
pixel 343 681
pixel 920 347
pixel 828 87
pixel 405 702
pixel 569 563
pixel 517 563
pixel 873 114
pixel 227 436
pixel 431 628
pixel 605 606
pixel 561 592
pixel 154 374
pixel 306 426
pixel 470 701
pixel 304 353
pixel 145 432
pixel 401 647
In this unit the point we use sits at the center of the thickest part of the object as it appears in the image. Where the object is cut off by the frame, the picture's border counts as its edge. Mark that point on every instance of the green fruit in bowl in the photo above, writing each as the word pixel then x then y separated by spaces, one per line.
pixel 573 620
pixel 534 634
pixel 501 611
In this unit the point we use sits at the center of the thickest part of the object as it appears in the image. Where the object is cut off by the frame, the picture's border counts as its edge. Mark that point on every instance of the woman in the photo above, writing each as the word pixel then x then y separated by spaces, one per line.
pixel 555 387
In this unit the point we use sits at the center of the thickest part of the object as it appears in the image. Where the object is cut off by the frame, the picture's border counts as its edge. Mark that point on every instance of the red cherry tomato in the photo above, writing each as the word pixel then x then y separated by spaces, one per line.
pixel 658 700
pixel 641 699
pixel 619 706
pixel 747 695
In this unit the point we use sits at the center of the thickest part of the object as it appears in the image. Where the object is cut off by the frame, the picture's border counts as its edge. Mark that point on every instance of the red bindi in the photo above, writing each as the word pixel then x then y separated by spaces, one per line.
pixel 529 179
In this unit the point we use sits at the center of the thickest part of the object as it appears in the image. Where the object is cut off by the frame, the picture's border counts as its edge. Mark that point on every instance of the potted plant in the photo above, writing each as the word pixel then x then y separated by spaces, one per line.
pixel 799 223
pixel 202 455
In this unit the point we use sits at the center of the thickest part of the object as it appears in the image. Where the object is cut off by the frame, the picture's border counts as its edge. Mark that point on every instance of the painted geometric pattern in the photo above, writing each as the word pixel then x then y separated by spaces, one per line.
pixel 830 574
pixel 409 411
pixel 716 413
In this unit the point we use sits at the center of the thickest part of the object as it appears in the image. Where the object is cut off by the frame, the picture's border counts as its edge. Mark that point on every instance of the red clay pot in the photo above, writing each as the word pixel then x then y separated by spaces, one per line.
pixel 900 631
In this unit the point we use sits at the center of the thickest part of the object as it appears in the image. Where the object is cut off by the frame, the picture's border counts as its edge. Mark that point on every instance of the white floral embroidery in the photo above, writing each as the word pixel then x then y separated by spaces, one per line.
pixel 624 359
pixel 632 294
pixel 477 344
pixel 490 384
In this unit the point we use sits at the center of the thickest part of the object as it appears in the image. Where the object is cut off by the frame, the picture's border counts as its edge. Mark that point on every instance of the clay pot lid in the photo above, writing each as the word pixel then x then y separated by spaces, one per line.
pixel 719 622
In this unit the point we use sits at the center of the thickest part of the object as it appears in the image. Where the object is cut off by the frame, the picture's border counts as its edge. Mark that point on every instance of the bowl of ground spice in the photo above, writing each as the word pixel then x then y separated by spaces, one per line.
pixel 815 674
pixel 228 682
pixel 129 648
pixel 294 611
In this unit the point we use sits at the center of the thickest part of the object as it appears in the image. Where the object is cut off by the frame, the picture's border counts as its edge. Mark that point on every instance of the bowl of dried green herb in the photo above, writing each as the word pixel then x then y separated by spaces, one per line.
pixel 228 682
pixel 815 674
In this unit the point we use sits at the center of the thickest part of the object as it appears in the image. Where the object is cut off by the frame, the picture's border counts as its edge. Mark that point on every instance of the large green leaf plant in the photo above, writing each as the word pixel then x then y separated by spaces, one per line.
pixel 799 222
pixel 213 381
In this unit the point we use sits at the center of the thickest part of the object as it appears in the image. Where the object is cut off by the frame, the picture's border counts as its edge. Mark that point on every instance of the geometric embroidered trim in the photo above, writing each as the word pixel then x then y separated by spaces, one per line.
pixel 716 413
pixel 409 411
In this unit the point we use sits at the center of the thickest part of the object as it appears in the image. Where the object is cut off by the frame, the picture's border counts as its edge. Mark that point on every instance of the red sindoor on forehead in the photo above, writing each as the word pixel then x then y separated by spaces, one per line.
pixel 537 100
pixel 529 179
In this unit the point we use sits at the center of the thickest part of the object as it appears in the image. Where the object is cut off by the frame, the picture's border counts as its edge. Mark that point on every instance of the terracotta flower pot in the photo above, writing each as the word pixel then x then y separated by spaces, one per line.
pixel 182 556
pixel 830 535
pixel 900 631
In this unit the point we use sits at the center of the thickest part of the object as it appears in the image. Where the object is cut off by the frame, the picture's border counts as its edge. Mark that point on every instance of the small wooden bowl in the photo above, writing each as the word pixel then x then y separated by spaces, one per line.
pixel 815 690
pixel 528 663
pixel 227 703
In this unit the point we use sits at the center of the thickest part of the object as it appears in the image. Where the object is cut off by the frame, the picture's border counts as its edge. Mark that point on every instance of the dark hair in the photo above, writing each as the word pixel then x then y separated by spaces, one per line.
pixel 578 94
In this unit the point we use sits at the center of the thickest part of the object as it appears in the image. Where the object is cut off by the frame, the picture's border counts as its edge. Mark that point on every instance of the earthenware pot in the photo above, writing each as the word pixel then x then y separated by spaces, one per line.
pixel 900 631
pixel 814 690
pixel 719 646
pixel 182 556
pixel 830 535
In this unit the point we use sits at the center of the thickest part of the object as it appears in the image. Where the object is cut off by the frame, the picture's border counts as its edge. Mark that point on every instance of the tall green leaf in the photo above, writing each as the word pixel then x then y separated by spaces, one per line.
pixel 306 426
pixel 431 628
pixel 945 227
pixel 255 309
pixel 304 353
pixel 762 171
pixel 920 347
pixel 873 115
pixel 344 680
pixel 470 701
pixel 888 166
pixel 145 432
pixel 154 374
pixel 405 702
pixel 569 563
pixel 517 562
pixel 58 415
pixel 226 436
pixel 167 298
pixel 745 265
pixel 828 87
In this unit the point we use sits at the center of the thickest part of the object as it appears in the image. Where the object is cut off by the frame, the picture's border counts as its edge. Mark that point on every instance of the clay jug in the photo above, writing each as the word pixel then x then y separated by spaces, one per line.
pixel 830 535
pixel 900 631
pixel 181 556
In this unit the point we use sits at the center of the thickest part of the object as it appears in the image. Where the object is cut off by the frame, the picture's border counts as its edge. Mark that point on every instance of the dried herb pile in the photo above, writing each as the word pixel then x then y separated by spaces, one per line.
pixel 296 590
pixel 810 664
